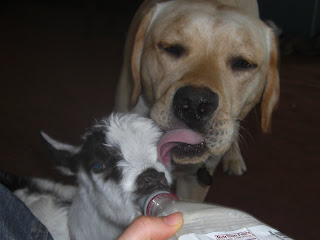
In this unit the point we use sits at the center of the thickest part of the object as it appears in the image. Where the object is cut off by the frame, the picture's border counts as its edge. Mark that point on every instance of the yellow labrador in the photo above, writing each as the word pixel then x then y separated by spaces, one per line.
pixel 197 67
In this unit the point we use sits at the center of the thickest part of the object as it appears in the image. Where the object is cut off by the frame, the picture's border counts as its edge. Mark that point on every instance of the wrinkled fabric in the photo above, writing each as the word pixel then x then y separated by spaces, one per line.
pixel 16 220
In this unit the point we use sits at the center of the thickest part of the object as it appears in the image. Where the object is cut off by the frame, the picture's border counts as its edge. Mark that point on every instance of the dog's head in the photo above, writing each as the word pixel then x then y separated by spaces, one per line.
pixel 116 164
pixel 203 66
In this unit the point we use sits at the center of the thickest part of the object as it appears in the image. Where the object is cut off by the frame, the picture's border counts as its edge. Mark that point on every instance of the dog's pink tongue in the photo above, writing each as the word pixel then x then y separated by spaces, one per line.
pixel 174 138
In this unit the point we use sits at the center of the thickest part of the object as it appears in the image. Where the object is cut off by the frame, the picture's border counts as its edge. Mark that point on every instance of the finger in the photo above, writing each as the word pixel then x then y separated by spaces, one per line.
pixel 153 228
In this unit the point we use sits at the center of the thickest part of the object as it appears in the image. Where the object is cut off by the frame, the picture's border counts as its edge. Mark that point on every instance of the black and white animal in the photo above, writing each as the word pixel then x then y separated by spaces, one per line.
pixel 116 165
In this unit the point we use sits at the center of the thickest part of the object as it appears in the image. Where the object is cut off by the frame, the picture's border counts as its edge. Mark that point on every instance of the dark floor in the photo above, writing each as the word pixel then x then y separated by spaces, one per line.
pixel 58 72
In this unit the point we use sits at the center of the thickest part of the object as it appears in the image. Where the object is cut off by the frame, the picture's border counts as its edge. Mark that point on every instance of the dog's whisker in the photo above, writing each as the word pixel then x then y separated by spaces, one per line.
pixel 237 144
pixel 242 139
pixel 236 139
pixel 247 133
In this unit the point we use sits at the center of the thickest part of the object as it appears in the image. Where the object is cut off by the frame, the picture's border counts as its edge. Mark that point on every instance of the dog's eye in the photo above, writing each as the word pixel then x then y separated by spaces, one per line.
pixel 98 167
pixel 175 50
pixel 239 64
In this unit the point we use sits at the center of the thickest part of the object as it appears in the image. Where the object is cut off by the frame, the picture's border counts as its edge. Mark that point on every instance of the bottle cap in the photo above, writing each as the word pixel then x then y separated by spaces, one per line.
pixel 144 201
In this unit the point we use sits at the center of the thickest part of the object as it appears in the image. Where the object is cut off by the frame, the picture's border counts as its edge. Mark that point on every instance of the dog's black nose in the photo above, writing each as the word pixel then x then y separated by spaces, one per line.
pixel 194 106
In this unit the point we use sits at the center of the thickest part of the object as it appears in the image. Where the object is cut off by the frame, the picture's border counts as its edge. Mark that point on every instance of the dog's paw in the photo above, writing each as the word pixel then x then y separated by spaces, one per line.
pixel 234 166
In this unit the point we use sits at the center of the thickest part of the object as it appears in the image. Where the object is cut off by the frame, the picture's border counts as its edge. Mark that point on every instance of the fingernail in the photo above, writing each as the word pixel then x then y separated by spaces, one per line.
pixel 174 219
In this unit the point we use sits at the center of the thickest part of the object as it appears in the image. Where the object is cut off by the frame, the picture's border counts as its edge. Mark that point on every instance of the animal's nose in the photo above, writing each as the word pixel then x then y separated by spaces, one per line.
pixel 150 181
pixel 194 106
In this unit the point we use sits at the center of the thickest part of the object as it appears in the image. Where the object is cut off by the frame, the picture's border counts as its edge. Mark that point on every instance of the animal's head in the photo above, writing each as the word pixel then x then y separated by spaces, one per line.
pixel 203 66
pixel 116 164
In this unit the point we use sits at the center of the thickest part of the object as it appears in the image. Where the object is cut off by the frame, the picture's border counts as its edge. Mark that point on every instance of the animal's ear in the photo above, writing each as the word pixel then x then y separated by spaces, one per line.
pixel 62 153
pixel 270 99
pixel 142 19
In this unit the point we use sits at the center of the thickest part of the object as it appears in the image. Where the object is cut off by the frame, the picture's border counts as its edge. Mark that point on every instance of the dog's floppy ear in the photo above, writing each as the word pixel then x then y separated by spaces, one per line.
pixel 62 153
pixel 270 99
pixel 137 52
pixel 140 26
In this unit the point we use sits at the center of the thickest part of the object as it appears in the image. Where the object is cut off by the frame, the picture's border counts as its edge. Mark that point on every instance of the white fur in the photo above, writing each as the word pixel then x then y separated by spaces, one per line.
pixel 110 207
pixel 100 209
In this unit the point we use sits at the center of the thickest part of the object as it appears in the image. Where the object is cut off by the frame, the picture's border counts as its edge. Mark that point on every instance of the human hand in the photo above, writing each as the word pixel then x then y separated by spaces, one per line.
pixel 155 228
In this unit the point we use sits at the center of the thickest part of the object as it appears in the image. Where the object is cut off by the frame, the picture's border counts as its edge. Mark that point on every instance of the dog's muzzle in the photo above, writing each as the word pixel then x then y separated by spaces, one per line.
pixel 194 106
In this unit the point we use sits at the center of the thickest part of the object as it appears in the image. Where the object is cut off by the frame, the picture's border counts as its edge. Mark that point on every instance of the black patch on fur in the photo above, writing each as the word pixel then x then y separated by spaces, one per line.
pixel 113 171
pixel 61 158
pixel 63 203
pixel 95 150
pixel 150 181
pixel 13 182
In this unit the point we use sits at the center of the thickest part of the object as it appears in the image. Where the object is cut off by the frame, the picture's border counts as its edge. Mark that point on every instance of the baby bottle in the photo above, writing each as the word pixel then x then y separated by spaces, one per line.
pixel 207 221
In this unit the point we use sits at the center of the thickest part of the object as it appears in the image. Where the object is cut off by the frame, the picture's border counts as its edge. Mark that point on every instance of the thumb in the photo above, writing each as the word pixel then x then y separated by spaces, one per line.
pixel 155 228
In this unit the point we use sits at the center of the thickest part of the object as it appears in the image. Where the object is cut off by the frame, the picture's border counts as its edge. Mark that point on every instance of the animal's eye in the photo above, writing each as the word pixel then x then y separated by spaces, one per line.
pixel 175 50
pixel 98 167
pixel 239 64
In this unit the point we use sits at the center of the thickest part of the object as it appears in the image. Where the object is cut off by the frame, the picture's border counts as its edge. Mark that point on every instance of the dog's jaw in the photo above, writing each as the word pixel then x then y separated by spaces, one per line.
pixel 183 144
pixel 216 138
pixel 190 159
